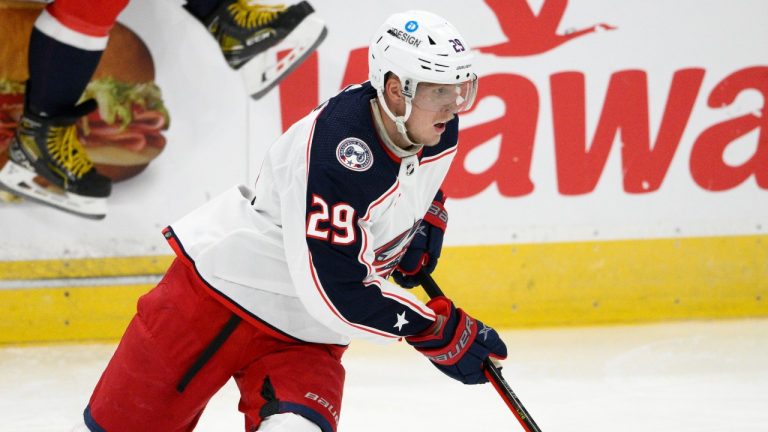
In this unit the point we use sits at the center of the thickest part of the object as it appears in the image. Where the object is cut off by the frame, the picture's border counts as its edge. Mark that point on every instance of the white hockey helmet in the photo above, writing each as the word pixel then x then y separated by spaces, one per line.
pixel 421 47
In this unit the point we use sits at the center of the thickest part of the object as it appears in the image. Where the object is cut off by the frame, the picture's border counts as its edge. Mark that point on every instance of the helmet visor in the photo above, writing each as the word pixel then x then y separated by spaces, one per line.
pixel 446 97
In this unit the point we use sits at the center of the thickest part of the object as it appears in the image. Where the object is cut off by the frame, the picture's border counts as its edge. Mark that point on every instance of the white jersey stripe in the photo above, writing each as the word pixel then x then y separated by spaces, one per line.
pixel 50 26
pixel 436 157
pixel 364 220
pixel 425 312
pixel 330 306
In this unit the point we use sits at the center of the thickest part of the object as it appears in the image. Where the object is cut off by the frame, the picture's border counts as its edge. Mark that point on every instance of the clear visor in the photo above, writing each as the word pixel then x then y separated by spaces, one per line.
pixel 445 97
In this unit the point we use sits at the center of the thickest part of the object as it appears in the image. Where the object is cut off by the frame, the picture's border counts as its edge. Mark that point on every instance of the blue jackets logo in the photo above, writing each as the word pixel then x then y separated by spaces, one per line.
pixel 354 154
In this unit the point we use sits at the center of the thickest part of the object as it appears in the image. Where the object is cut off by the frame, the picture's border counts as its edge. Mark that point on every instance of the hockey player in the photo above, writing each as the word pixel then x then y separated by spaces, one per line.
pixel 66 44
pixel 270 284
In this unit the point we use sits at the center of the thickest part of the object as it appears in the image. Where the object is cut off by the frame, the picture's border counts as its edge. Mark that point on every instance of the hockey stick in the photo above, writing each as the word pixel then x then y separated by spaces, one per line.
pixel 492 372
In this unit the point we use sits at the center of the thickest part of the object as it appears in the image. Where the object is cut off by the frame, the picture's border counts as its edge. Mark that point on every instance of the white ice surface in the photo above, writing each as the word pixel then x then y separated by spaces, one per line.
pixel 683 377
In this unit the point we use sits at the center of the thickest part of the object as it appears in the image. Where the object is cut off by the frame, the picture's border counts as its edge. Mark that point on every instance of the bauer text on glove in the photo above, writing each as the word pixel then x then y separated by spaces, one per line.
pixel 458 344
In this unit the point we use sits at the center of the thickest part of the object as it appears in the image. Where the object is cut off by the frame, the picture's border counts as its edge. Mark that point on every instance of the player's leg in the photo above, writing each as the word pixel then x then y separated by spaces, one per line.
pixel 288 422
pixel 178 351
pixel 65 47
pixel 303 379
pixel 251 33
pixel 246 28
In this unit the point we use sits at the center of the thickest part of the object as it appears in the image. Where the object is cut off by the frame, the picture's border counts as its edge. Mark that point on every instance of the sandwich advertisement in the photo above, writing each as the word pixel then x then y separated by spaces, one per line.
pixel 595 121
pixel 126 132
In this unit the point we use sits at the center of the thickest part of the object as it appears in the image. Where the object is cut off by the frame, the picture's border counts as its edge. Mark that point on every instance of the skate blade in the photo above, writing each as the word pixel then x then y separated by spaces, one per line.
pixel 21 181
pixel 263 72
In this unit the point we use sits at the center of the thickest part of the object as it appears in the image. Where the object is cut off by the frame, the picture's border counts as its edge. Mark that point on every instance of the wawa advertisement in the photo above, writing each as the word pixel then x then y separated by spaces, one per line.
pixel 594 120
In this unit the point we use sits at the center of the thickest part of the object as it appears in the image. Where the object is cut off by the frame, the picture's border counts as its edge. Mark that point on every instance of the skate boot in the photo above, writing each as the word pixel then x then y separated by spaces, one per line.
pixel 252 35
pixel 49 148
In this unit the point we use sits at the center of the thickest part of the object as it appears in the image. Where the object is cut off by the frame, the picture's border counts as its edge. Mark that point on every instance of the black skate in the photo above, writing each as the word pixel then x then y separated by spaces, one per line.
pixel 251 35
pixel 48 147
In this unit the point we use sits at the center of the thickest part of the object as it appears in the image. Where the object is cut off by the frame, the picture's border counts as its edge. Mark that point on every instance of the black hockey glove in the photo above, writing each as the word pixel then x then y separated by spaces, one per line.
pixel 458 344
pixel 424 250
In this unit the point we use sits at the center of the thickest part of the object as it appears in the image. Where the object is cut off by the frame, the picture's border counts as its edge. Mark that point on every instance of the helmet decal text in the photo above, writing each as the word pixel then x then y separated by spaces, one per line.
pixel 405 37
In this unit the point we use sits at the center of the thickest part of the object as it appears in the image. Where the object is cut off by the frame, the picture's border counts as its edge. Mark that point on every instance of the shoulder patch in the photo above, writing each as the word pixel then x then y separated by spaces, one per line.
pixel 354 154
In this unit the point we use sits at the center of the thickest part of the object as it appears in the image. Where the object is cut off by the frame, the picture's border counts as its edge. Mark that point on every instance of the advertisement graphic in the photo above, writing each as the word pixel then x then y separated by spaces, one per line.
pixel 126 132
pixel 613 168
pixel 587 127
pixel 585 123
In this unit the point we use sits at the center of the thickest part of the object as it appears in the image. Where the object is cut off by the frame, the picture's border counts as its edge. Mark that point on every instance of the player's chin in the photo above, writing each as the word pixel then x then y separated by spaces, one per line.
pixel 432 137
pixel 430 141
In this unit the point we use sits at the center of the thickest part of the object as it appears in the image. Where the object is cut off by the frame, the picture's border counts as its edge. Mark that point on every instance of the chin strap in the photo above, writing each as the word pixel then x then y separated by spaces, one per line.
pixel 399 120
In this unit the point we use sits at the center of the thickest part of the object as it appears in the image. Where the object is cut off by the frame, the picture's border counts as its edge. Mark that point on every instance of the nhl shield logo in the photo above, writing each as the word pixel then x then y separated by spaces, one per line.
pixel 354 154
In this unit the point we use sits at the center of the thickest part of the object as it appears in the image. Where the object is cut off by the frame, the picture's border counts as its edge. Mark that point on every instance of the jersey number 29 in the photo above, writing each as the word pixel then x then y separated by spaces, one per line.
pixel 341 217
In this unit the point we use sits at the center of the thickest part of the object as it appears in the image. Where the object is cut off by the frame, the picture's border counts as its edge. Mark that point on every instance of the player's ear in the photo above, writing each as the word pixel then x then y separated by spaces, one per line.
pixel 392 87
pixel 393 93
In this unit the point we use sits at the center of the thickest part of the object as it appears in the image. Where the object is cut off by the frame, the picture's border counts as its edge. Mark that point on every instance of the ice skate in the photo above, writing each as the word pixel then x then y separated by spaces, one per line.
pixel 251 35
pixel 47 163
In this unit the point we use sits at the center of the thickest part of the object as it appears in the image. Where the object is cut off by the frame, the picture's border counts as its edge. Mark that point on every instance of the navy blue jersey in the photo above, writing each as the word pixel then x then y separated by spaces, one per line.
pixel 309 250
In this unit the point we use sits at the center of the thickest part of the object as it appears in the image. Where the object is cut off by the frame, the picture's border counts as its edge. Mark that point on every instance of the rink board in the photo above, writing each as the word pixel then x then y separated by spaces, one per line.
pixel 588 131
pixel 509 286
